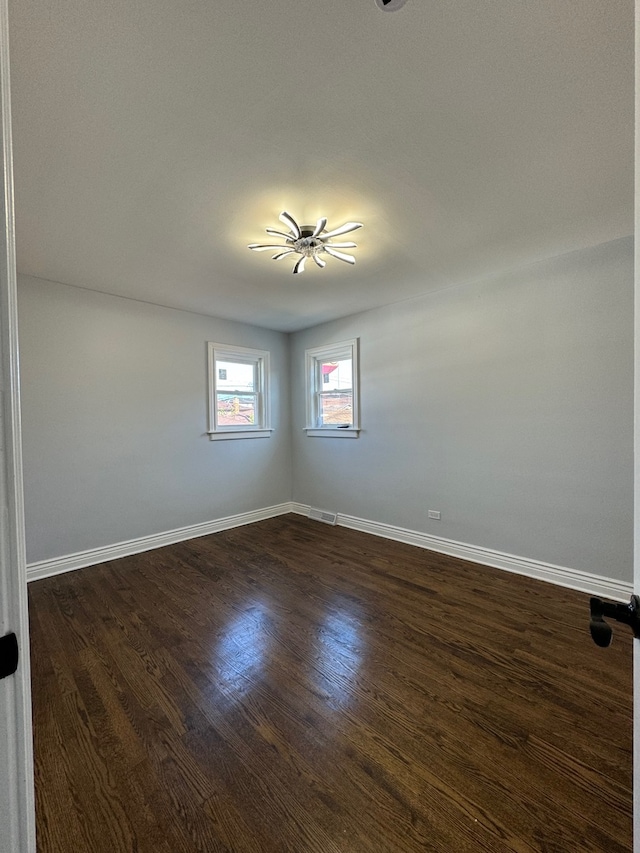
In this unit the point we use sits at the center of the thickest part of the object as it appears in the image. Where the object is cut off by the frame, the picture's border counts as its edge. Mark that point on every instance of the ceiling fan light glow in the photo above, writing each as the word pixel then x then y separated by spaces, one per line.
pixel 299 267
pixel 290 221
pixel 263 247
pixel 340 255
pixel 343 229
pixel 308 242
pixel 320 226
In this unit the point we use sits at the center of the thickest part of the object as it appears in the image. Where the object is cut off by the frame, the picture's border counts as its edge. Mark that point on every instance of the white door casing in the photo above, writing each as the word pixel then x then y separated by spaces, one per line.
pixel 636 488
pixel 17 812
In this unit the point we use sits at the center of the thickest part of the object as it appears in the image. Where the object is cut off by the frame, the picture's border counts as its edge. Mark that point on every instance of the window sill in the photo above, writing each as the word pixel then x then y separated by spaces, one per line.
pixel 328 432
pixel 221 435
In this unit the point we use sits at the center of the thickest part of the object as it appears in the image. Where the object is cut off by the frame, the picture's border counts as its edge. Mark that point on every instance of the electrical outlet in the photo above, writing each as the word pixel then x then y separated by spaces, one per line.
pixel 434 513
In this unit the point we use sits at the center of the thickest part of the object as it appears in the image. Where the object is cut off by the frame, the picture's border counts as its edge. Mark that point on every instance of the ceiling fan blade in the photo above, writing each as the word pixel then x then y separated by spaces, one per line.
pixel 290 221
pixel 340 255
pixel 273 233
pixel 283 254
pixel 320 225
pixel 299 267
pixel 343 229
pixel 322 264
pixel 342 245
pixel 262 247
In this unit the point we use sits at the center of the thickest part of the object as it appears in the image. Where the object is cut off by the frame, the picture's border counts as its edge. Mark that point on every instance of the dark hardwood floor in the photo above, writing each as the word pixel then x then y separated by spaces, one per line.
pixel 290 686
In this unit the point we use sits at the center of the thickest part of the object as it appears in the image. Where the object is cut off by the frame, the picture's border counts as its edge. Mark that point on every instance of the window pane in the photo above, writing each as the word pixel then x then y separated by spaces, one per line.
pixel 336 374
pixel 236 409
pixel 238 391
pixel 235 376
pixel 336 407
pixel 332 388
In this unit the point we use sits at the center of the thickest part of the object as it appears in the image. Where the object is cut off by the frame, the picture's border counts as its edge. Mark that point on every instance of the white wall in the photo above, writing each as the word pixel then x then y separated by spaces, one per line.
pixel 505 404
pixel 114 404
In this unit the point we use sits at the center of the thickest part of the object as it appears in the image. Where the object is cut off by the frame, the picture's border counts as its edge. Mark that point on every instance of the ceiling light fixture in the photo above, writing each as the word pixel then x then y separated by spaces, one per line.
pixel 308 241
pixel 390 5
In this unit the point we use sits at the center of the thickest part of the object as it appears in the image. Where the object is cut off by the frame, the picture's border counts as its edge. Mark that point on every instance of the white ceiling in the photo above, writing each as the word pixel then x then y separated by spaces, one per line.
pixel 154 139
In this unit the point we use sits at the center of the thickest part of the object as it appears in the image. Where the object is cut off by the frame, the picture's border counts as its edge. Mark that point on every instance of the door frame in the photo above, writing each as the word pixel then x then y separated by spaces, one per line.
pixel 636 483
pixel 17 801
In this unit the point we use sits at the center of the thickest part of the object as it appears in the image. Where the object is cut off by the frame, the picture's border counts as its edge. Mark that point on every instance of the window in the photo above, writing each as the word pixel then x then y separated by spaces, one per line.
pixel 332 390
pixel 238 392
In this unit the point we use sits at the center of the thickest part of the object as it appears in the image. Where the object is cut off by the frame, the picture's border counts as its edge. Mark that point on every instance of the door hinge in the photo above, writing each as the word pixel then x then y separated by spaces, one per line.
pixel 8 655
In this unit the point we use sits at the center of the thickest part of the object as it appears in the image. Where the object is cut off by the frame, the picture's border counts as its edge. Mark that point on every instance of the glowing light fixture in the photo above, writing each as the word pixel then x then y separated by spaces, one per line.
pixel 308 241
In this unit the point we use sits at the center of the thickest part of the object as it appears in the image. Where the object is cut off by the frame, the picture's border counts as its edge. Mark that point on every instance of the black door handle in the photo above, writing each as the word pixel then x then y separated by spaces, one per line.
pixel 629 614
pixel 8 655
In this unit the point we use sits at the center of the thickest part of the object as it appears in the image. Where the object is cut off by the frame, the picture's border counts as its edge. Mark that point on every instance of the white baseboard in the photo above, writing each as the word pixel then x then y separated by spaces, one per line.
pixel 560 575
pixel 82 559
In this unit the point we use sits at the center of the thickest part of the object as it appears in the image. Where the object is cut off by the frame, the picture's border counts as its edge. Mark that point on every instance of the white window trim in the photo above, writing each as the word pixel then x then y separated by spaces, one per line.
pixel 258 357
pixel 341 349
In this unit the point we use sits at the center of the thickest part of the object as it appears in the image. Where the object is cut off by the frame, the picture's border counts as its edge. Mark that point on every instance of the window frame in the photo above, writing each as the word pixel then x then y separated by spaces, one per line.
pixel 313 388
pixel 240 355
